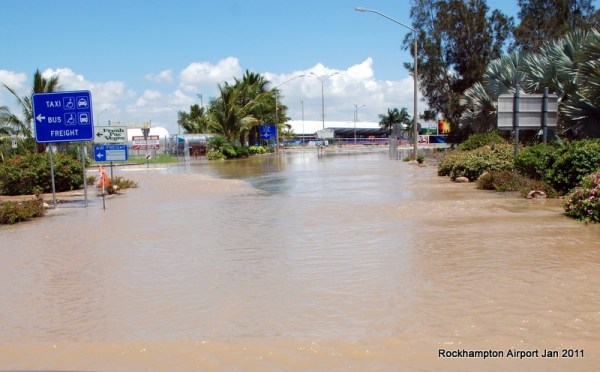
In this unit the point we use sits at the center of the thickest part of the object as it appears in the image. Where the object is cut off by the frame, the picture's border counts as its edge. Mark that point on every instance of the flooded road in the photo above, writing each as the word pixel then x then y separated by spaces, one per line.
pixel 302 262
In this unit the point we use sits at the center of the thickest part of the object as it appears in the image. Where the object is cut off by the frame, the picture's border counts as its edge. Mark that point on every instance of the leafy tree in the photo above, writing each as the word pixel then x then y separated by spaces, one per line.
pixel 196 121
pixel 457 39
pixel 543 20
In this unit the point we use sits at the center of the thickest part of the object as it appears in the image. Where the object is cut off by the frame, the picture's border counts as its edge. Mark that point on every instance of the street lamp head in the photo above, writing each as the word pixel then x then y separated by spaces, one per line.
pixel 327 77
pixel 360 9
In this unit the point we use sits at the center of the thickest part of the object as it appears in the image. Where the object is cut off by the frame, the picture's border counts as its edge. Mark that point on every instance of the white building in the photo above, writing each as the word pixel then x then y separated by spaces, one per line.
pixel 312 126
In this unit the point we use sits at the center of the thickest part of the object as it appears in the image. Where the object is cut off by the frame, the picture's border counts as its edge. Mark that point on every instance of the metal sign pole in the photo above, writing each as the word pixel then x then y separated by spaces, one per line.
pixel 84 175
pixel 52 177
pixel 516 119
pixel 545 115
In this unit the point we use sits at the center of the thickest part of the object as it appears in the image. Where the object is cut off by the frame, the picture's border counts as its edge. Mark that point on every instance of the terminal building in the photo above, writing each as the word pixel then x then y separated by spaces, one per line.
pixel 345 131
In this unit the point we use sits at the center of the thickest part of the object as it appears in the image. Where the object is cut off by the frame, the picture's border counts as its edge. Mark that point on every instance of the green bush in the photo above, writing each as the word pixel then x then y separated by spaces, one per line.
pixel 123 183
pixel 534 161
pixel 21 174
pixel 446 164
pixel 241 151
pixel 215 155
pixel 478 140
pixel 119 183
pixel 256 150
pixel 512 181
pixel 501 181
pixel 573 163
pixel 583 203
pixel 13 212
pixel 230 152
pixel 218 143
pixel 471 164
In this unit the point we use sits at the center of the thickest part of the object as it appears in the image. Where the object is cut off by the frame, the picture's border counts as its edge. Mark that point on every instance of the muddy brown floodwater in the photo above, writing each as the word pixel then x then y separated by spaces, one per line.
pixel 302 262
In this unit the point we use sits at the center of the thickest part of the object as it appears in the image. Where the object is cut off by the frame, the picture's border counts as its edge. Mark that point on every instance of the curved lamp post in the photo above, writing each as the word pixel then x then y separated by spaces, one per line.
pixel 277 111
pixel 323 95
pixel 415 118
pixel 98 116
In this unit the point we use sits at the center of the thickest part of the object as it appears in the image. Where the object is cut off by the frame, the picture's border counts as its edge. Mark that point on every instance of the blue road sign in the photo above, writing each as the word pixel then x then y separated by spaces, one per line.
pixel 103 153
pixel 63 116
pixel 267 132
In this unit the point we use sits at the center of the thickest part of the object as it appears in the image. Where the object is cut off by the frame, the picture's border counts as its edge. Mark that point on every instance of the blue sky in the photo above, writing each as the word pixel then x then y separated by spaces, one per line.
pixel 144 60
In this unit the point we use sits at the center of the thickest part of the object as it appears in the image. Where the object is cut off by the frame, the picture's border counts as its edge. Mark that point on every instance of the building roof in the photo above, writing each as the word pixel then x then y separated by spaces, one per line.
pixel 312 126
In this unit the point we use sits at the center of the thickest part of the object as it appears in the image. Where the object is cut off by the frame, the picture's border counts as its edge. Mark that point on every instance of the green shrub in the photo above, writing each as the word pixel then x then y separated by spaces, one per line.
pixel 512 181
pixel 573 163
pixel 534 161
pixel 502 181
pixel 478 140
pixel 230 152
pixel 215 155
pixel 583 203
pixel 494 157
pixel 123 183
pixel 446 164
pixel 256 150
pixel 21 174
pixel 119 183
pixel 217 142
pixel 13 212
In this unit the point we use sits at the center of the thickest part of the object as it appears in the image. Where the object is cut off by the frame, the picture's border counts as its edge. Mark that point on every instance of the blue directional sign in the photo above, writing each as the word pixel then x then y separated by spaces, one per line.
pixel 103 153
pixel 267 132
pixel 63 116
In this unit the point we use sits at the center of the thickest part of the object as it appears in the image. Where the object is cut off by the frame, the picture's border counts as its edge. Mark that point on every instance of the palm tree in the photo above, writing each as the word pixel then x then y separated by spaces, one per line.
pixel 257 101
pixel 395 116
pixel 23 125
pixel 226 114
pixel 196 121
pixel 241 106
pixel 581 107
pixel 568 66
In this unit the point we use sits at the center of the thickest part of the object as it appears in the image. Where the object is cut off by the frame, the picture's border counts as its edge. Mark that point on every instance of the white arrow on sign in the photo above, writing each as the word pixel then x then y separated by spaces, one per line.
pixel 40 118
pixel 99 155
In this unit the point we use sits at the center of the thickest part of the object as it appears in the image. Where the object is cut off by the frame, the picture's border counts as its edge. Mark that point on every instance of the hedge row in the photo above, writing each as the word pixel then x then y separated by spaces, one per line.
pixel 30 174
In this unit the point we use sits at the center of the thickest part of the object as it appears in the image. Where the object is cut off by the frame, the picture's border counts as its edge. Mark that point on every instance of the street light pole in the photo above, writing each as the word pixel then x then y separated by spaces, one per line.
pixel 415 114
pixel 98 116
pixel 323 94
pixel 277 111
pixel 356 108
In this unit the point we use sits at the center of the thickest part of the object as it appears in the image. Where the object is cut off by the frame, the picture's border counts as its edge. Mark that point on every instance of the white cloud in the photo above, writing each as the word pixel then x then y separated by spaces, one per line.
pixel 362 71
pixel 205 73
pixel 106 96
pixel 342 90
pixel 133 105
pixel 15 81
pixel 165 76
